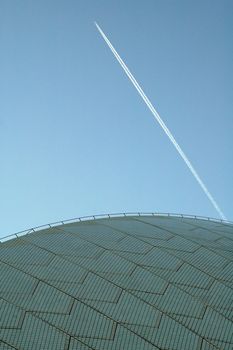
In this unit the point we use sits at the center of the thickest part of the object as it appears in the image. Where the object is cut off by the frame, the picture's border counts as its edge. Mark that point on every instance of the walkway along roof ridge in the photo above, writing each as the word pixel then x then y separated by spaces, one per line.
pixel 105 216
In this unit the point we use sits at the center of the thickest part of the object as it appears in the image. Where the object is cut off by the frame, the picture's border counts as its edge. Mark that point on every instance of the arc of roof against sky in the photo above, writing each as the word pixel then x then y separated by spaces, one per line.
pixel 161 123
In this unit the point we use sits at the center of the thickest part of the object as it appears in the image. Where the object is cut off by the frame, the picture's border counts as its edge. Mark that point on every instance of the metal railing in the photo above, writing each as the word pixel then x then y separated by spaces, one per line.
pixel 108 216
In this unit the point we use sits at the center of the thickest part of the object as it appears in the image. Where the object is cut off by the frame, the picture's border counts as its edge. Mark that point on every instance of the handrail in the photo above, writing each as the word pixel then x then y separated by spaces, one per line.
pixel 108 216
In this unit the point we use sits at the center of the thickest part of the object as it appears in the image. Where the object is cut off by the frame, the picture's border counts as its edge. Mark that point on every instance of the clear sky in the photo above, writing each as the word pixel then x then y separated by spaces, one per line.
pixel 75 137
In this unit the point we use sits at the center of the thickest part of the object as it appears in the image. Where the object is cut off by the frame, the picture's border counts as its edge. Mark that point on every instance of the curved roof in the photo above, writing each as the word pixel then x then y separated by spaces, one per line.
pixel 139 282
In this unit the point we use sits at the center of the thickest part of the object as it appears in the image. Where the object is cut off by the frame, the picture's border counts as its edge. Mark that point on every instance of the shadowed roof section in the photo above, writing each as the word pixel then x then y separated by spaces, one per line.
pixel 133 282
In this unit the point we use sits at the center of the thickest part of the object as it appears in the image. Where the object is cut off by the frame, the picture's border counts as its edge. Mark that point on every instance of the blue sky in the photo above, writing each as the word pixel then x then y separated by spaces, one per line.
pixel 75 137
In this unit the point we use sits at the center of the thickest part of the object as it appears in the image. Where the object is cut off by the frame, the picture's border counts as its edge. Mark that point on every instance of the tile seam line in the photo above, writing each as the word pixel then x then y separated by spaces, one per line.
pixel 12 346
pixel 201 245
pixel 167 250
pixel 156 308
pixel 124 258
pixel 86 240
pixel 43 320
pixel 113 215
pixel 119 322
pixel 76 299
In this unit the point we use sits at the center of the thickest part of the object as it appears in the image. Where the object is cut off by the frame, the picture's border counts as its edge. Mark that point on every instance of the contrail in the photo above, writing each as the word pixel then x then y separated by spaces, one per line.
pixel 160 121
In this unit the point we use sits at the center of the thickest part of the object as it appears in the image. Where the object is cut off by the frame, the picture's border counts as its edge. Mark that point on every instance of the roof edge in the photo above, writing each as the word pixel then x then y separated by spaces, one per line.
pixel 105 216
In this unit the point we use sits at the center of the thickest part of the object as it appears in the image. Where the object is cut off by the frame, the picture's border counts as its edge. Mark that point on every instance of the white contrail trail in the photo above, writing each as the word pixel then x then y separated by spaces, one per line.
pixel 160 121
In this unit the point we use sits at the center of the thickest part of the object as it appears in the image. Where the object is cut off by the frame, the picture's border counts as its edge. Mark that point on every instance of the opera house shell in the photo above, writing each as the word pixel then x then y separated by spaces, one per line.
pixel 124 282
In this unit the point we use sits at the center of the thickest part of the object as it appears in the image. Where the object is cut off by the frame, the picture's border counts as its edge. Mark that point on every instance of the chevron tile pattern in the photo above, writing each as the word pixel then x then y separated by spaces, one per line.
pixel 122 283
